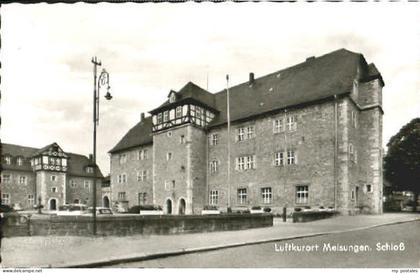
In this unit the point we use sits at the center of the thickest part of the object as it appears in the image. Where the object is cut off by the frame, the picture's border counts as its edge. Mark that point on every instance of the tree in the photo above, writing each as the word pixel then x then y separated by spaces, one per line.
pixel 402 161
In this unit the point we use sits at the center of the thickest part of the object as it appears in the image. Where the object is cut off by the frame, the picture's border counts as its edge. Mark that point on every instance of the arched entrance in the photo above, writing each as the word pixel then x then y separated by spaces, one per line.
pixel 169 206
pixel 181 206
pixel 76 201
pixel 52 204
pixel 105 202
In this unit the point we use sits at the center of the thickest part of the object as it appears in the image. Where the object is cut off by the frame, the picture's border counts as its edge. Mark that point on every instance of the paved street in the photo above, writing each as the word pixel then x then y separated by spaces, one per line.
pixel 265 255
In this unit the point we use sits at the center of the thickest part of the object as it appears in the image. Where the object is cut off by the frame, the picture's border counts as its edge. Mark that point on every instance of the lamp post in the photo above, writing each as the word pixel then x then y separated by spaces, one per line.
pixel 97 84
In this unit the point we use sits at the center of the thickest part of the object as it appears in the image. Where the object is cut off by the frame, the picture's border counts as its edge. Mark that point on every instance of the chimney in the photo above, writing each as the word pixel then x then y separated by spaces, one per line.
pixel 251 78
pixel 91 157
pixel 141 116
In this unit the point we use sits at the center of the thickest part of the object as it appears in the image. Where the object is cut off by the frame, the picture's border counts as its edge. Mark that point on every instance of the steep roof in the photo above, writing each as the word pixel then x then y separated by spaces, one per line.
pixel 314 79
pixel 140 134
pixel 190 91
pixel 76 162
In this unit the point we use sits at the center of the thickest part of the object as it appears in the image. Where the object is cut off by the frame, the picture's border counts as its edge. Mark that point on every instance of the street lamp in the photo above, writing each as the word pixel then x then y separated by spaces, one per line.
pixel 97 84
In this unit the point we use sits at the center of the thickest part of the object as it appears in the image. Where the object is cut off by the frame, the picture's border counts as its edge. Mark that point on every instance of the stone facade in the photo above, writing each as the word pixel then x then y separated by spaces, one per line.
pixel 306 136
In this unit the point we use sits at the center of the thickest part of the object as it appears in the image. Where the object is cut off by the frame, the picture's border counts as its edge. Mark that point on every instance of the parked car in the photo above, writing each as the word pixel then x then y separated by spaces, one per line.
pixel 17 207
pixel 72 209
pixel 100 211
pixel 6 208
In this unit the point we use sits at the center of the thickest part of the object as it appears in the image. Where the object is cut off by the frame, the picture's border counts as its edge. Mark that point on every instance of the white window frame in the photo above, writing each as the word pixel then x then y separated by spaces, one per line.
pixel 165 116
pixel 214 198
pixel 122 196
pixel 142 176
pixel 242 196
pixel 214 166
pixel 142 198
pixel 241 134
pixel 291 157
pixel 178 112
pixel 302 194
pixel 214 139
pixel 31 199
pixel 23 180
pixel 278 125
pixel 123 159
pixel 86 182
pixel 19 161
pixel 247 162
pixel 250 162
pixel 72 183
pixel 292 123
pixel 8 160
pixel 250 132
pixel 267 195
pixel 4 180
pixel 5 198
pixel 279 158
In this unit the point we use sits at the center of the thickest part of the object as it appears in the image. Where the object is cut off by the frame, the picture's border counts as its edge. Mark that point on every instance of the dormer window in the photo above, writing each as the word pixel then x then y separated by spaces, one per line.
pixel 19 161
pixel 8 160
pixel 172 97
pixel 89 169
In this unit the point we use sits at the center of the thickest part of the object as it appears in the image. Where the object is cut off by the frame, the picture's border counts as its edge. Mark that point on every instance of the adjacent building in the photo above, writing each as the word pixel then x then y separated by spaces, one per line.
pixel 47 175
pixel 307 135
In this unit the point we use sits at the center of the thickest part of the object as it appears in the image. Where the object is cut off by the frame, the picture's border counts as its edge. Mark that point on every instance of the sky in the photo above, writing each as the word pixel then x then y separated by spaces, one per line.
pixel 149 49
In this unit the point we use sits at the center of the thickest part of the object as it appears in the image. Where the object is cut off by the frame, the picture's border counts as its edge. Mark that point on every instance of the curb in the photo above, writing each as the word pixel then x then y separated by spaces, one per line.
pixel 183 251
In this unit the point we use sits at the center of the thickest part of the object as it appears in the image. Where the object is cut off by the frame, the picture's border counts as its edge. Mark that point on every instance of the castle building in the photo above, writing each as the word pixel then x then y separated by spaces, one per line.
pixel 48 174
pixel 307 135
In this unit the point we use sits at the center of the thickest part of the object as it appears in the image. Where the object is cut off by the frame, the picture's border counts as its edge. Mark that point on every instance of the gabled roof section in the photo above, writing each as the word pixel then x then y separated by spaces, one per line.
pixel 190 91
pixel 315 79
pixel 140 134
pixel 52 149
pixel 76 166
pixel 373 73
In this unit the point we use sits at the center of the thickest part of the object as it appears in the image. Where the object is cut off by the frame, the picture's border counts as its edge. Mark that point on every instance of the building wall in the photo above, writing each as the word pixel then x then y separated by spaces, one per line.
pixel 132 187
pixel 19 192
pixel 82 194
pixel 313 142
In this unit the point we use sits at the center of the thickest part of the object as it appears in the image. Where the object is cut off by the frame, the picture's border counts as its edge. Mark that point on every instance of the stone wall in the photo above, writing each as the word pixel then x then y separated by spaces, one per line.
pixel 133 165
pixel 80 192
pixel 19 192
pixel 129 225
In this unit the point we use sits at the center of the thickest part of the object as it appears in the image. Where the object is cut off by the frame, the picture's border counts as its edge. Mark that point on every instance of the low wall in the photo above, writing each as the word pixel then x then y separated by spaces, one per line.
pixel 16 225
pixel 307 216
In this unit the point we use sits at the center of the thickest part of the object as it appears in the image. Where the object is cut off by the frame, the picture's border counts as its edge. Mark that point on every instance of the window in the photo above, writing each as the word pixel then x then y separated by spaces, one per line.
pixel 53 178
pixel 213 166
pixel 291 123
pixel 165 116
pixel 6 178
pixel 86 184
pixel 89 169
pixel 159 118
pixel 121 196
pixel 245 133
pixel 291 157
pixel 242 196
pixel 245 163
pixel 31 199
pixel 302 194
pixel 64 162
pixel 169 185
pixel 214 139
pixel 172 98
pixel 122 178
pixel 369 188
pixel 141 176
pixel 5 198
pixel 72 183
pixel 54 189
pixel 123 159
pixel 169 134
pixel 352 194
pixel 182 139
pixel 19 161
pixel 278 126
pixel 266 195
pixel 22 180
pixel 279 159
pixel 214 197
pixel 178 112
pixel 142 155
pixel 8 160
pixel 354 119
pixel 142 198
pixel 168 156
pixel 351 149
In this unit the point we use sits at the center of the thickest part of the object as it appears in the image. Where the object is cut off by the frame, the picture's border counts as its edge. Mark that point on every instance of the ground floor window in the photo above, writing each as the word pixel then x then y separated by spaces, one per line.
pixel 266 195
pixel 6 178
pixel 302 194
pixel 142 198
pixel 214 197
pixel 242 196
pixel 5 198
pixel 121 196
pixel 31 199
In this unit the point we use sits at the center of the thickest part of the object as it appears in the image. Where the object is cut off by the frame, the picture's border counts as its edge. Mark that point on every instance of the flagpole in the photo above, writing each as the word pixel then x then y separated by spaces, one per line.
pixel 228 139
